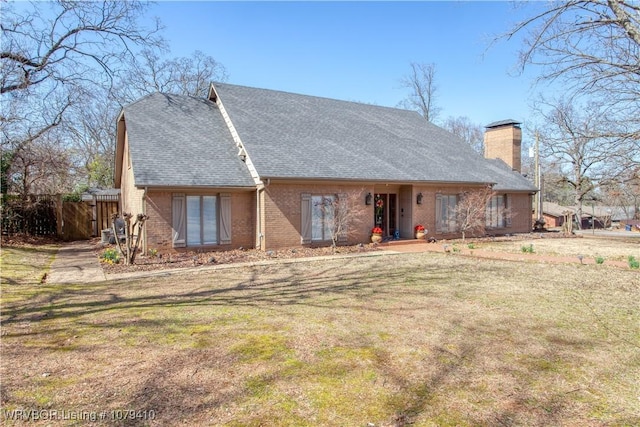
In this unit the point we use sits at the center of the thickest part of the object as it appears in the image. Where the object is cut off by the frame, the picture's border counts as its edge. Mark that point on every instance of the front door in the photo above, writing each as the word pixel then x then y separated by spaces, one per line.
pixel 384 213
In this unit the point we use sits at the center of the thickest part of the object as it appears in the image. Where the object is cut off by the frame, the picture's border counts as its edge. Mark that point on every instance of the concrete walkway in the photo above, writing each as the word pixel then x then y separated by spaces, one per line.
pixel 75 262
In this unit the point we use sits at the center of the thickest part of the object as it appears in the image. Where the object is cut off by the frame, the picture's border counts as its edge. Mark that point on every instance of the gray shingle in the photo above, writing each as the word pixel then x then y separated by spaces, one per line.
pixel 298 136
pixel 179 140
pixel 506 179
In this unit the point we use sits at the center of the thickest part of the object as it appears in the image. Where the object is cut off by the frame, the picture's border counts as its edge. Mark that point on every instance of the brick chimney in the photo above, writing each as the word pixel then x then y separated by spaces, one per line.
pixel 503 140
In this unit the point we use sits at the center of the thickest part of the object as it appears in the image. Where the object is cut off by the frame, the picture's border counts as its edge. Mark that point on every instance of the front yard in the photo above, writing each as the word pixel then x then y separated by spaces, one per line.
pixel 413 339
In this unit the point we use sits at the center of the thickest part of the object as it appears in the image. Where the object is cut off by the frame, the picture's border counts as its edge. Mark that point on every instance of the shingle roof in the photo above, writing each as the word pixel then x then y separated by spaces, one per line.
pixel 179 140
pixel 505 178
pixel 298 136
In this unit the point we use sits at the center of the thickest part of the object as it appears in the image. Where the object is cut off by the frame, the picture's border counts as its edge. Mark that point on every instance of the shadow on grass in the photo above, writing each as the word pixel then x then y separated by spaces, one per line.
pixel 455 357
pixel 324 288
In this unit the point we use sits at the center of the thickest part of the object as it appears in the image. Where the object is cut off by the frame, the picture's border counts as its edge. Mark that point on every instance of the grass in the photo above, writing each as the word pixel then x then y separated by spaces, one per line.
pixel 420 339
pixel 612 249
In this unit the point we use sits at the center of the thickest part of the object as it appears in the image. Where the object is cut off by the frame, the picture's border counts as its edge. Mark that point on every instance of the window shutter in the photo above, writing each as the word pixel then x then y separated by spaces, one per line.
pixel 305 218
pixel 178 213
pixel 342 217
pixel 507 212
pixel 439 218
pixel 225 218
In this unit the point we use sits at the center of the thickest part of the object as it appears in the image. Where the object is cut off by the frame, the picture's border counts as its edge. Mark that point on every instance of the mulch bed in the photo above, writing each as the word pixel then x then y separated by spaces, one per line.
pixel 18 240
pixel 194 259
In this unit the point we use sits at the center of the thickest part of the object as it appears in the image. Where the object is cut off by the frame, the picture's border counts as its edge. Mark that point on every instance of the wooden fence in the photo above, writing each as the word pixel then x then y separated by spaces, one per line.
pixel 35 215
pixel 103 208
pixel 50 215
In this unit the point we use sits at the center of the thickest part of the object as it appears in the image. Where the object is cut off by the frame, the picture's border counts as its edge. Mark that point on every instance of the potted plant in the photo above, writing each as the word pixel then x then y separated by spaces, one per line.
pixel 420 231
pixel 376 235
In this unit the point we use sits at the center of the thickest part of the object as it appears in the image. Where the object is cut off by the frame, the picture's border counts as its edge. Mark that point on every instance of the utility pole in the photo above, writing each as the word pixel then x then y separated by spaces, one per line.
pixel 537 180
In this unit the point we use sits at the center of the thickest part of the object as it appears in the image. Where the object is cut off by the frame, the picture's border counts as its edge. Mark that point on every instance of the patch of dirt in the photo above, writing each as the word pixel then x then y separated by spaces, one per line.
pixel 198 258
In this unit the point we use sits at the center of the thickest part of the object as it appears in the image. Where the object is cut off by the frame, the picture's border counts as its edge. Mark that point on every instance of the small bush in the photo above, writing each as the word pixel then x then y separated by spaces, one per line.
pixel 527 249
pixel 472 246
pixel 599 260
pixel 111 256
pixel 633 262
pixel 153 253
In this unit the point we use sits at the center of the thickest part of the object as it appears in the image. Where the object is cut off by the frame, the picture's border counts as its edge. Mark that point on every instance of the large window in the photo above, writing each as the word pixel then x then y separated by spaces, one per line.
pixel 318 218
pixel 202 227
pixel 496 213
pixel 200 220
pixel 322 217
pixel 446 213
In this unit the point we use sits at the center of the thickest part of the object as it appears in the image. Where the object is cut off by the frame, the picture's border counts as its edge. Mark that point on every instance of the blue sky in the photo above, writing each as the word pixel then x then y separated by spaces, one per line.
pixel 359 51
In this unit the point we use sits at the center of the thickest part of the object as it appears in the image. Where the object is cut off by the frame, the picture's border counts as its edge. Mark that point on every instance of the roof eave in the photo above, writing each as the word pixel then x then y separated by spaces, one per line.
pixel 120 134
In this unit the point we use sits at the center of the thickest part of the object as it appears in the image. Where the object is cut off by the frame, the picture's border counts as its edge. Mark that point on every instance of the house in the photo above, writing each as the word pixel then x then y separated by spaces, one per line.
pixel 250 167
pixel 554 214
pixel 604 216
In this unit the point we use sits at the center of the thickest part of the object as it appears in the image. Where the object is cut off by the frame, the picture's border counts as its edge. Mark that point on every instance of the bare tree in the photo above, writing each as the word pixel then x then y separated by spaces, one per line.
pixel 181 75
pixel 131 234
pixel 42 166
pixel 593 48
pixel 624 194
pixel 582 143
pixel 421 83
pixel 471 211
pixel 56 54
pixel 465 129
pixel 73 43
pixel 342 215
pixel 93 123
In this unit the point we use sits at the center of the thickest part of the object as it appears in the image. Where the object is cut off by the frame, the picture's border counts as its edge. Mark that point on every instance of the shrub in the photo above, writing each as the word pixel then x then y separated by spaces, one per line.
pixel 527 249
pixel 153 253
pixel 111 256
pixel 599 260
pixel 472 246
pixel 633 262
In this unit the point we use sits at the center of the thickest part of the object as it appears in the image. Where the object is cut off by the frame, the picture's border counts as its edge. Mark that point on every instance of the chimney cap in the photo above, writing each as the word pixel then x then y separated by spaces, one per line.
pixel 506 122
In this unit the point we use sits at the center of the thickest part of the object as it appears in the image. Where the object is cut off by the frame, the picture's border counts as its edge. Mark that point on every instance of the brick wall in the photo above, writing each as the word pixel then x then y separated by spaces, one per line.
pixel 521 213
pixel 425 214
pixel 283 212
pixel 504 142
pixel 159 210
pixel 158 226
pixel 131 196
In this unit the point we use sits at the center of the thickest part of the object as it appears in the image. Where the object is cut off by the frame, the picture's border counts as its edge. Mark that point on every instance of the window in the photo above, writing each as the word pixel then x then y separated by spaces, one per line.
pixel 317 217
pixel 496 213
pixel 202 227
pixel 446 213
pixel 322 217
pixel 200 220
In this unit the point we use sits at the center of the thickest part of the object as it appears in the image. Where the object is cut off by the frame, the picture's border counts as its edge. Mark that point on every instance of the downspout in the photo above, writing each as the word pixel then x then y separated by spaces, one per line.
pixel 259 235
pixel 261 187
pixel 144 229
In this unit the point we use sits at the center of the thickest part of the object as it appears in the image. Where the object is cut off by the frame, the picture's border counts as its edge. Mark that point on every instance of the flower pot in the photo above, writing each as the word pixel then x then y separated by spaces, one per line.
pixel 420 235
pixel 376 238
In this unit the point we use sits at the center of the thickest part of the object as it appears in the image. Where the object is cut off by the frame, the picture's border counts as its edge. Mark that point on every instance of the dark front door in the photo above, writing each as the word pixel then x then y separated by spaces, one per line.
pixel 384 213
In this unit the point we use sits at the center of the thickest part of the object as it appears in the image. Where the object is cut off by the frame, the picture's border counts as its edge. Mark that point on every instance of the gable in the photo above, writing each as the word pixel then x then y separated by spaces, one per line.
pixel 180 141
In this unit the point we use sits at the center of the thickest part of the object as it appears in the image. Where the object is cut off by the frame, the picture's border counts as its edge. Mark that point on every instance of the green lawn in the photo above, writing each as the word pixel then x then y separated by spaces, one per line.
pixel 413 339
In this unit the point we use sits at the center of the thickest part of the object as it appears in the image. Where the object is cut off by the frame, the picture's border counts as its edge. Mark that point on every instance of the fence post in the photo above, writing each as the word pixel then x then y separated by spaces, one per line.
pixel 59 217
pixel 94 216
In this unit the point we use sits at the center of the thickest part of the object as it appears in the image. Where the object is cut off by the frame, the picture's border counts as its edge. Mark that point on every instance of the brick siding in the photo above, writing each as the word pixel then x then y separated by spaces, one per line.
pixel 159 210
pixel 283 213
